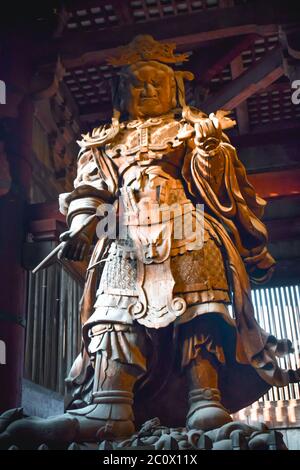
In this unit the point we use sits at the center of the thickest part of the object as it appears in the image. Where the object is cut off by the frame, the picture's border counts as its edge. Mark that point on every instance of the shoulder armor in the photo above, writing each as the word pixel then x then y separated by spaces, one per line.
pixel 100 136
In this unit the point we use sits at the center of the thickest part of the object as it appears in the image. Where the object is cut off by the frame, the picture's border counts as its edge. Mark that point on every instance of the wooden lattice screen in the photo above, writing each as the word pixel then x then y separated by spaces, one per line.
pixel 53 327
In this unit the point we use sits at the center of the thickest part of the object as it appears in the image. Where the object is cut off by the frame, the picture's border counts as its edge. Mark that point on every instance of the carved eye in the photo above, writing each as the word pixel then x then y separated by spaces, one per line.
pixel 137 84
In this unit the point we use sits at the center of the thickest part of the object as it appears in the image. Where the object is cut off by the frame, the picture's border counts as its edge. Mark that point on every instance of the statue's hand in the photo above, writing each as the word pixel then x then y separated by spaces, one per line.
pixel 75 249
pixel 208 133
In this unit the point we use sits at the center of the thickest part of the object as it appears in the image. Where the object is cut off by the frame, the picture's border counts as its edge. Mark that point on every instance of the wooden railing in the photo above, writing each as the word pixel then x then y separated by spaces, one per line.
pixel 53 331
pixel 278 312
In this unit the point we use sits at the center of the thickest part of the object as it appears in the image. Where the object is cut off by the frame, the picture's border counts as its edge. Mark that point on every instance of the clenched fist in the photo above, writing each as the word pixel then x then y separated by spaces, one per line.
pixel 208 133
pixel 74 249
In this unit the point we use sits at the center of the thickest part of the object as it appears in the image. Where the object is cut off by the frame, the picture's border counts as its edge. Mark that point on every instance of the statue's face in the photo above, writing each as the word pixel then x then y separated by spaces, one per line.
pixel 148 89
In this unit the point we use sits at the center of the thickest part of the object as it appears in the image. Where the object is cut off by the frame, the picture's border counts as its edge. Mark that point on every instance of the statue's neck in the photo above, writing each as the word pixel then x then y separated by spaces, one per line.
pixel 168 115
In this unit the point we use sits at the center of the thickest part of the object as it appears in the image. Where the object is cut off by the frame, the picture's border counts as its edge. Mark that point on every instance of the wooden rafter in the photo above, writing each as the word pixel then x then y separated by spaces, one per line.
pixel 79 48
pixel 259 76
pixel 242 114
pixel 270 133
pixel 206 66
pixel 276 183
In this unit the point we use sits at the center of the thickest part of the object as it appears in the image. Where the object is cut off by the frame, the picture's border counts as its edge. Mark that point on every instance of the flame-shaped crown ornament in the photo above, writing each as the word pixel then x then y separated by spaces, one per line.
pixel 145 48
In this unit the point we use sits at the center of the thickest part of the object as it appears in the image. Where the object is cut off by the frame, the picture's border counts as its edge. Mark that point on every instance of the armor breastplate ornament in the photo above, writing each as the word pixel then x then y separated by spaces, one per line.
pixel 149 156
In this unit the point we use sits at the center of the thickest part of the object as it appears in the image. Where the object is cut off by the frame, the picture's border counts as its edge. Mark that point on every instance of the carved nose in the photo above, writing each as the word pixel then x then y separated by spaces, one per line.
pixel 148 91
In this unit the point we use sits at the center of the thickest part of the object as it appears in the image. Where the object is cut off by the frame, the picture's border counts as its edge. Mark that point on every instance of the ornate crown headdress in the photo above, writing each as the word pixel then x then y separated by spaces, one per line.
pixel 144 47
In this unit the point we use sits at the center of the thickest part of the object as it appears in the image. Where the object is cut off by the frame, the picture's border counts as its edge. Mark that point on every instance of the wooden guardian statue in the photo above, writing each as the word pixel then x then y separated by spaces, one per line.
pixel 160 310
pixel 158 338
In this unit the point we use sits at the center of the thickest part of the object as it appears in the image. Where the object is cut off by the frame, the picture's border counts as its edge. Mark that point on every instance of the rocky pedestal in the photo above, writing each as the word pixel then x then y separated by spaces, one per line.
pixel 19 432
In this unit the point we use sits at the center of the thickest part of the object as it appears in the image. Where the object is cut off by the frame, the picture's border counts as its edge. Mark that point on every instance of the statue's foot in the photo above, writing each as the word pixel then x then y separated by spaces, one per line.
pixel 206 411
pixel 104 420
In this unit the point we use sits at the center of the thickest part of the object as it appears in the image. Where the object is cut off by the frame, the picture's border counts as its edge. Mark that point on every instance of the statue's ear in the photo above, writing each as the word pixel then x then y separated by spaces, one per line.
pixel 115 91
pixel 118 89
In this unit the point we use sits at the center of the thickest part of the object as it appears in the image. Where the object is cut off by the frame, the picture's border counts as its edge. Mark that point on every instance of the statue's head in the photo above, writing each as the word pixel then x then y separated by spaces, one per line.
pixel 147 86
pixel 147 89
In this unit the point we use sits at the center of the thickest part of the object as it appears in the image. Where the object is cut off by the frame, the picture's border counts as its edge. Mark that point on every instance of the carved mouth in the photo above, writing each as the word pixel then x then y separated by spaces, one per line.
pixel 149 99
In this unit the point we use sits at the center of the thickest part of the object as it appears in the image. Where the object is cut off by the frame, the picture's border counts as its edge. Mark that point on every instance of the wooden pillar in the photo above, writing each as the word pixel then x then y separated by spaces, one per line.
pixel 16 131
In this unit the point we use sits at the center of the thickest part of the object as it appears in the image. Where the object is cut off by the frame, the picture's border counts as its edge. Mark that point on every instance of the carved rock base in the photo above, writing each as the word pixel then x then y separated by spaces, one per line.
pixel 19 432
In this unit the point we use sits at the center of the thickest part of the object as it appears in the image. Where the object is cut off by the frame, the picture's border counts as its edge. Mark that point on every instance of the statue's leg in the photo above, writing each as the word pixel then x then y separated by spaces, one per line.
pixel 205 410
pixel 201 368
pixel 118 354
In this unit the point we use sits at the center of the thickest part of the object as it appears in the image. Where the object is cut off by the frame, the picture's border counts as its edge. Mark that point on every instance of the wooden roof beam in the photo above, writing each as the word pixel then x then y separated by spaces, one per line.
pixel 206 66
pixel 82 48
pixel 242 113
pixel 280 132
pixel 276 184
pixel 259 76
